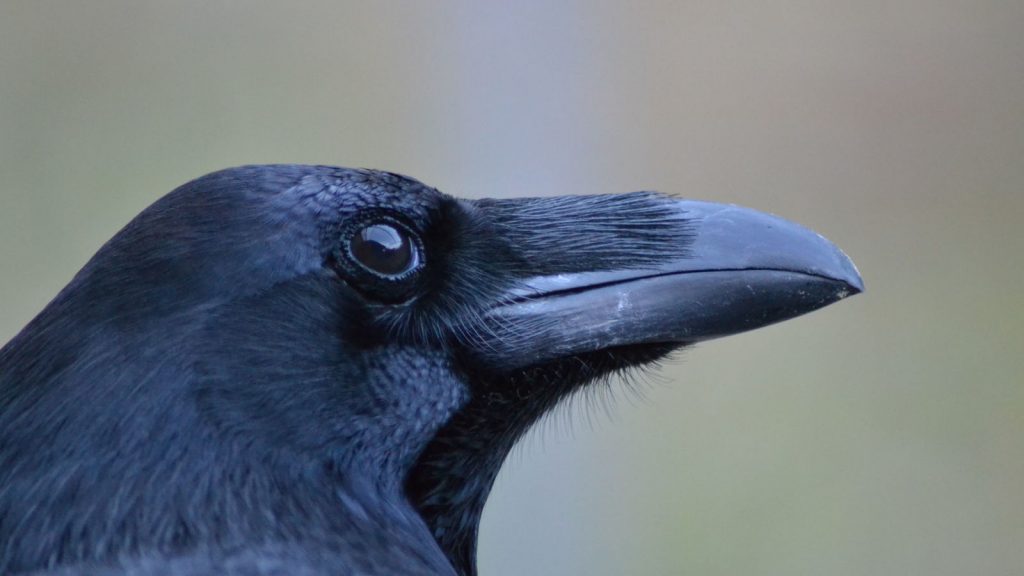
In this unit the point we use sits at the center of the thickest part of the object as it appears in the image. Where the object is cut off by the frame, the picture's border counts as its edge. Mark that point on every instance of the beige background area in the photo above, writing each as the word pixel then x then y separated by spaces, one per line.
pixel 883 435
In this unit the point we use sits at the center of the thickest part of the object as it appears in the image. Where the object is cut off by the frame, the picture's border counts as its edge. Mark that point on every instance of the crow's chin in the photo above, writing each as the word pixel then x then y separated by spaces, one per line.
pixel 605 362
pixel 557 378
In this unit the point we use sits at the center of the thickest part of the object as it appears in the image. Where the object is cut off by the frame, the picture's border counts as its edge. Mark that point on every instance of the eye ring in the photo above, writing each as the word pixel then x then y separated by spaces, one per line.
pixel 385 249
pixel 381 256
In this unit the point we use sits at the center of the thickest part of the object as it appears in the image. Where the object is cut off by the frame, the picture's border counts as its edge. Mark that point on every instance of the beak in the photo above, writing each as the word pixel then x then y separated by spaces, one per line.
pixel 742 269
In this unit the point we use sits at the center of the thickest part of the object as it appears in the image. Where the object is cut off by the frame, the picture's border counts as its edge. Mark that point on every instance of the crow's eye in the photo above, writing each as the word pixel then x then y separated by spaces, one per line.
pixel 384 249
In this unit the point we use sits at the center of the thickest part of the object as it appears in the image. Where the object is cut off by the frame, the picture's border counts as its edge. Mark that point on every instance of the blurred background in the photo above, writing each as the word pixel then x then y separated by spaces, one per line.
pixel 882 435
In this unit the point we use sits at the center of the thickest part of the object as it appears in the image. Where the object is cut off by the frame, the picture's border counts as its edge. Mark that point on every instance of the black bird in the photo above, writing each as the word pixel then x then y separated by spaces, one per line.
pixel 314 370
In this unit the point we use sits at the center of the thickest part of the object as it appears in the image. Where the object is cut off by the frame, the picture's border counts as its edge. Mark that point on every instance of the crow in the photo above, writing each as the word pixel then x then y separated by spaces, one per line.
pixel 304 370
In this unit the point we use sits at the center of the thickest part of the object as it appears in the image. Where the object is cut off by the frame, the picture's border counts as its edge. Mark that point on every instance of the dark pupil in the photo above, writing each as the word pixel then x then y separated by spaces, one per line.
pixel 383 249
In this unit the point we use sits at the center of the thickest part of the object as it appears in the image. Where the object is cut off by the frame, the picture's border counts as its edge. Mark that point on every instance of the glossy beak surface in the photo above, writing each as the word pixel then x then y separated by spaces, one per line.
pixel 742 270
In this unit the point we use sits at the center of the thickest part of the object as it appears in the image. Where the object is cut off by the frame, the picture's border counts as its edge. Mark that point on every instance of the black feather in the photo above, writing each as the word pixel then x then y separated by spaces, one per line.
pixel 225 389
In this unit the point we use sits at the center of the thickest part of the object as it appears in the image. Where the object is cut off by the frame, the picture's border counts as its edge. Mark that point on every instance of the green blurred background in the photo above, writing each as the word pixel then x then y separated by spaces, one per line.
pixel 883 435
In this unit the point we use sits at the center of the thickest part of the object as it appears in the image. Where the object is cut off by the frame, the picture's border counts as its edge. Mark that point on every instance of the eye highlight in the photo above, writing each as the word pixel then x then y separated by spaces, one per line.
pixel 384 249
pixel 380 255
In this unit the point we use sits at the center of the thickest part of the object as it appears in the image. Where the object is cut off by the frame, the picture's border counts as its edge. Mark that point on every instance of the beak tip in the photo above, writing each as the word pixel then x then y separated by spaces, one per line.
pixel 849 275
pixel 855 286
pixel 846 291
pixel 736 237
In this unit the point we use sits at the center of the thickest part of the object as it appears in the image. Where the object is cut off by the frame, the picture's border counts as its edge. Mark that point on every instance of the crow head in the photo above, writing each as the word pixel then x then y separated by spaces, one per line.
pixel 343 358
